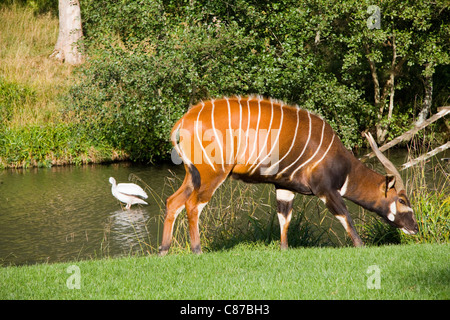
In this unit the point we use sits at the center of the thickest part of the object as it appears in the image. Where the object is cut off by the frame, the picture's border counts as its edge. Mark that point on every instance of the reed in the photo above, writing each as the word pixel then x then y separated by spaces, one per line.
pixel 240 213
pixel 430 185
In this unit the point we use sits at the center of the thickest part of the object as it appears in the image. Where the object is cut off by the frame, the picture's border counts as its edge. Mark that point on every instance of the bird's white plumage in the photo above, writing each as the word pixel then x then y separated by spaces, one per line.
pixel 131 189
pixel 128 193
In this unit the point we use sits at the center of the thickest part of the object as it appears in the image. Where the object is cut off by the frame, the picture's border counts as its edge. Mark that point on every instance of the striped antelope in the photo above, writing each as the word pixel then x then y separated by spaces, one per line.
pixel 265 141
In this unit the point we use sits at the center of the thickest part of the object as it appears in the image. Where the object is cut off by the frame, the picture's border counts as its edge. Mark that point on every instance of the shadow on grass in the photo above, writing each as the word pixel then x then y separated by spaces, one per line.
pixel 434 281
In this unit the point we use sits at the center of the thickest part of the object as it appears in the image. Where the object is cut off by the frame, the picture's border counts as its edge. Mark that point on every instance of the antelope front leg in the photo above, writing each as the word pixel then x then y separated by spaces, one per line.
pixel 336 205
pixel 285 200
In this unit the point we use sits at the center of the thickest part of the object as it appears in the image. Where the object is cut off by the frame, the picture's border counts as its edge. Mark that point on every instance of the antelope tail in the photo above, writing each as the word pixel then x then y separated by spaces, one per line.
pixel 195 174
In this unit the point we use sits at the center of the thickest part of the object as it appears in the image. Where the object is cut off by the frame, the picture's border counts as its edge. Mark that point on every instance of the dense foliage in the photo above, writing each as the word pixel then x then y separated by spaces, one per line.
pixel 148 61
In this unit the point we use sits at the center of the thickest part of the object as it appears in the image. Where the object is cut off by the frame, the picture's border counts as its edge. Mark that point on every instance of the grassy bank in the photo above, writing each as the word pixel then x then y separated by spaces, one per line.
pixel 34 129
pixel 245 272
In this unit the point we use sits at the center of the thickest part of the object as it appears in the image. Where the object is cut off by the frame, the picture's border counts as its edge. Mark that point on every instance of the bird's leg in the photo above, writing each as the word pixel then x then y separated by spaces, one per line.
pixel 128 206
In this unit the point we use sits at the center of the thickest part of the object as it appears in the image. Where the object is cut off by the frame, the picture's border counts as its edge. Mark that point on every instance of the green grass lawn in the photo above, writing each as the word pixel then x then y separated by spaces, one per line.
pixel 245 272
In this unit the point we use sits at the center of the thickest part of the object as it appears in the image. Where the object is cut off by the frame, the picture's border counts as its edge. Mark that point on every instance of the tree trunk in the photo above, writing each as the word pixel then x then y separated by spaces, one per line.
pixel 380 95
pixel 383 131
pixel 426 105
pixel 70 32
pixel 379 103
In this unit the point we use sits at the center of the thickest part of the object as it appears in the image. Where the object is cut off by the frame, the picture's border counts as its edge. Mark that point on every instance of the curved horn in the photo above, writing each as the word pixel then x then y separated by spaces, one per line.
pixel 388 165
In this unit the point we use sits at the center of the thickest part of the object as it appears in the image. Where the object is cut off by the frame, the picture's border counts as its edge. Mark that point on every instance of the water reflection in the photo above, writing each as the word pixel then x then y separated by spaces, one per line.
pixel 129 229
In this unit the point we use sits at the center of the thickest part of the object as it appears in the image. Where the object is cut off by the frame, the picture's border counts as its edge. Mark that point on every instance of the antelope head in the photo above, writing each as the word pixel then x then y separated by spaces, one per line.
pixel 394 206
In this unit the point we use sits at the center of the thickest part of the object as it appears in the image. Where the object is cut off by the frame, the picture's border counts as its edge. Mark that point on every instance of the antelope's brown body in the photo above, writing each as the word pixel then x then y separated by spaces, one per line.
pixel 264 140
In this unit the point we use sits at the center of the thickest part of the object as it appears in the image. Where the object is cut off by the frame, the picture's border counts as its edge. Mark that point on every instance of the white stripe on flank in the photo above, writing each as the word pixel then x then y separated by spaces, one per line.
pixel 275 143
pixel 303 151
pixel 199 140
pixel 230 130
pixel 239 132
pixel 312 157
pixel 242 155
pixel 264 146
pixel 325 153
pixel 255 142
pixel 216 136
pixel 290 148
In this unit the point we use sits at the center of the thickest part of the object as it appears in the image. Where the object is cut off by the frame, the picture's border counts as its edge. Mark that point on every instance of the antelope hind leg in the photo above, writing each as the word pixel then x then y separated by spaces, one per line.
pixel 174 205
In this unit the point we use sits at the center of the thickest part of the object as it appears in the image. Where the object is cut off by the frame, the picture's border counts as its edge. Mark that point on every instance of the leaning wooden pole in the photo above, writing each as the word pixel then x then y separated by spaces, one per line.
pixel 425 156
pixel 442 111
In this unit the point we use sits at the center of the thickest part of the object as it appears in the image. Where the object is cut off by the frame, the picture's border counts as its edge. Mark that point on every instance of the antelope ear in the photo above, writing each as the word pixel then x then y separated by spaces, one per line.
pixel 390 181
pixel 388 184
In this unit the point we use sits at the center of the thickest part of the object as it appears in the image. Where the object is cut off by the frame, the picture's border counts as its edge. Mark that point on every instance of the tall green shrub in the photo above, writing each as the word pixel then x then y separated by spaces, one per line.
pixel 132 93
pixel 149 61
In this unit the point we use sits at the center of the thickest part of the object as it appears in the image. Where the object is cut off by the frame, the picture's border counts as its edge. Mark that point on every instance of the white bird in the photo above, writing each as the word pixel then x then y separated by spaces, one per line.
pixel 128 193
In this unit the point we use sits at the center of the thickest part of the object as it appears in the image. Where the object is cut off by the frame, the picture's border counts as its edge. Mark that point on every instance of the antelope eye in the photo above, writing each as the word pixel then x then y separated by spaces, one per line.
pixel 402 202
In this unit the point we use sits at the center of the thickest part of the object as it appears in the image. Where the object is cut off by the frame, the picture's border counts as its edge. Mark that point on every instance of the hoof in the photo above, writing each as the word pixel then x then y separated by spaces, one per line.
pixel 197 249
pixel 162 251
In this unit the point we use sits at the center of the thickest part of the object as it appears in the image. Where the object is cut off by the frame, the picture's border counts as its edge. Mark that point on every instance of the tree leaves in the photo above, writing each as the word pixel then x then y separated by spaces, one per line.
pixel 150 60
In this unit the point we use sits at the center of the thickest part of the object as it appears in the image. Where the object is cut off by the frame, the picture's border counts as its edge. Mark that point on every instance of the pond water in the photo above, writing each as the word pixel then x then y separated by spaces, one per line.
pixel 68 213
